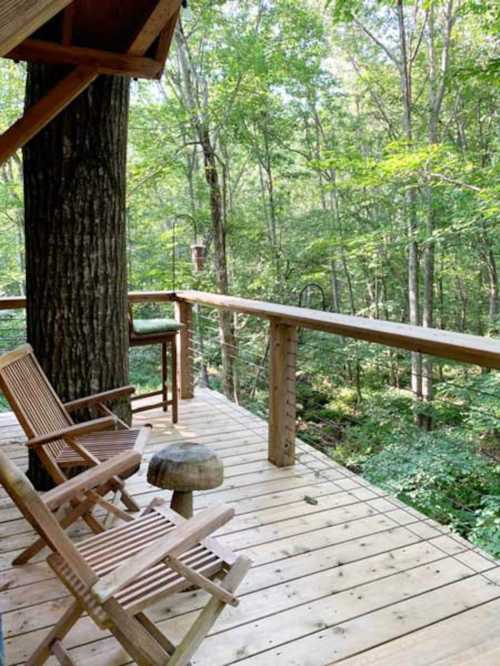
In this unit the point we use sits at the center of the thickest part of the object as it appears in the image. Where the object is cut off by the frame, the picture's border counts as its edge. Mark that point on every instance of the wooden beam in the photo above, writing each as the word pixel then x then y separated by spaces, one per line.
pixel 157 20
pixel 457 346
pixel 185 381
pixel 20 18
pixel 41 113
pixel 12 303
pixel 103 62
pixel 67 24
pixel 282 399
pixel 164 42
pixel 149 296
pixel 19 302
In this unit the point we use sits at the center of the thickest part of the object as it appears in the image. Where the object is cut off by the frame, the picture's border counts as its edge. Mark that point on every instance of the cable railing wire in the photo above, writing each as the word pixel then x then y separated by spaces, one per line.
pixel 439 381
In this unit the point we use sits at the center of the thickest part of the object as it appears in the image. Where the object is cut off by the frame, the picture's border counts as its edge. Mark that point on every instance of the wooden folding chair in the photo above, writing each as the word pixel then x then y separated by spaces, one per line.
pixel 60 444
pixel 116 575
pixel 77 497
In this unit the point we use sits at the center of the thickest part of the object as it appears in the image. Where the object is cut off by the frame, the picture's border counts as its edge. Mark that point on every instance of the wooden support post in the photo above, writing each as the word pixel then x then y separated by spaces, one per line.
pixel 282 394
pixel 41 113
pixel 184 315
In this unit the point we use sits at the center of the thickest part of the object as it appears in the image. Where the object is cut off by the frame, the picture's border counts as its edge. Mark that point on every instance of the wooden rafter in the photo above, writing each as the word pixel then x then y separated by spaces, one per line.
pixel 67 24
pixel 103 62
pixel 20 18
pixel 43 111
pixel 165 38
pixel 157 20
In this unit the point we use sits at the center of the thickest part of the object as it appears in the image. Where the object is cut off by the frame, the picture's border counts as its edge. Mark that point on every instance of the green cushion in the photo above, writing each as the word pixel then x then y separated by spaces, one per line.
pixel 154 326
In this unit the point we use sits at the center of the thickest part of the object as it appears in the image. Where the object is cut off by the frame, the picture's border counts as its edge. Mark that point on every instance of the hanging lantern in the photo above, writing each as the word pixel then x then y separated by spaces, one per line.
pixel 198 257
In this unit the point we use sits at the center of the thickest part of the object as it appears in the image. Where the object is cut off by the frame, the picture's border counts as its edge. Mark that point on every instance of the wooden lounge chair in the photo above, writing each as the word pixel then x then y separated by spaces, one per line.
pixel 61 444
pixel 116 575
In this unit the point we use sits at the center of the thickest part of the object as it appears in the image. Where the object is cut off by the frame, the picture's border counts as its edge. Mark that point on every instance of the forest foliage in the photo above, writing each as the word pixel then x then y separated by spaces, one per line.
pixel 350 145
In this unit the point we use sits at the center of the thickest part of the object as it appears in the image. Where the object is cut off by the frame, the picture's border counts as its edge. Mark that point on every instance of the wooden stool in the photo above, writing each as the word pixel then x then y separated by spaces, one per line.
pixel 183 468
pixel 162 332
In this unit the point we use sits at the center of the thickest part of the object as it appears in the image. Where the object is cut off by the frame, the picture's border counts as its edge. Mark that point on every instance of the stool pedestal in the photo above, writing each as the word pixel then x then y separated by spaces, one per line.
pixel 182 502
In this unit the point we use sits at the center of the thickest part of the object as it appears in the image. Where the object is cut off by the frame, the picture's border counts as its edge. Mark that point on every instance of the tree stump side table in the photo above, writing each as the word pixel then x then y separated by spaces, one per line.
pixel 184 468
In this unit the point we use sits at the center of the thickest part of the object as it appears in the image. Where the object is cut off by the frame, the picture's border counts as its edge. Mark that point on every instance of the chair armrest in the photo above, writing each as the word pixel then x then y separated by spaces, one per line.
pixel 73 431
pixel 175 543
pixel 92 478
pixel 105 396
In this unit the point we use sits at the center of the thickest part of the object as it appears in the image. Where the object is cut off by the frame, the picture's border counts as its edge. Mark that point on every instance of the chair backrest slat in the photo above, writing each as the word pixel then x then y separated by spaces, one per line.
pixel 32 398
pixel 34 509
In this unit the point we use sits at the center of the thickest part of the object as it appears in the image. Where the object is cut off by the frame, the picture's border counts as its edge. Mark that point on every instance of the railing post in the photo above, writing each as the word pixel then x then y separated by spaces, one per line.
pixel 185 381
pixel 282 408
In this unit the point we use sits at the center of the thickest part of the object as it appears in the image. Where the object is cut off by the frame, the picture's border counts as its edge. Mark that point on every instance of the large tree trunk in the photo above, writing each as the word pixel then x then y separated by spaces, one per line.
pixel 74 184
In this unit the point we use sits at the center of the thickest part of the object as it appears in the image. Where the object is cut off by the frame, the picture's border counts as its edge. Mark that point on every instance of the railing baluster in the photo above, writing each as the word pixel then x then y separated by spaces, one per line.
pixel 282 406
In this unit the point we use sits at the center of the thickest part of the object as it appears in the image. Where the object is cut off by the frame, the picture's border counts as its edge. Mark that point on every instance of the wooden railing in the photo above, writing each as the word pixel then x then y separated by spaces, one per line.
pixel 284 321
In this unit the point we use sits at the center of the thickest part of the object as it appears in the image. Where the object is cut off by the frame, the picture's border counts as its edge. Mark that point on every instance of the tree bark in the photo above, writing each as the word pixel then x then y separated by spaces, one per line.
pixel 76 269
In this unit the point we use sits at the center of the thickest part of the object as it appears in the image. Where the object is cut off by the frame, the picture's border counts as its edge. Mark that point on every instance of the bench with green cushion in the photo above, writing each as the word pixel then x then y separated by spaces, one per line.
pixel 154 326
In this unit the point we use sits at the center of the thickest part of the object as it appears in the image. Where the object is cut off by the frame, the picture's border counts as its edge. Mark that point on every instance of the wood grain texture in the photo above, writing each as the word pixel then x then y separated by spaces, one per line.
pixel 357 578
pixel 20 18
pixel 282 398
pixel 19 302
pixel 155 23
pixel 102 62
pixel 185 381
pixel 39 115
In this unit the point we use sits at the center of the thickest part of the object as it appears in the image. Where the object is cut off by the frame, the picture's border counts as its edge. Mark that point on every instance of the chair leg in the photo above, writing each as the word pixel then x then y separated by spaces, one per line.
pixel 206 619
pixel 65 522
pixel 54 638
pixel 164 375
pixel 135 636
pixel 93 523
pixel 155 632
pixel 129 501
pixel 61 654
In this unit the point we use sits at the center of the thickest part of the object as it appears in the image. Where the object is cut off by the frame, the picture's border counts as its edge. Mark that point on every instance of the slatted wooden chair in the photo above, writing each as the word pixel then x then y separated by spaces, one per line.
pixel 61 444
pixel 117 575
pixel 77 497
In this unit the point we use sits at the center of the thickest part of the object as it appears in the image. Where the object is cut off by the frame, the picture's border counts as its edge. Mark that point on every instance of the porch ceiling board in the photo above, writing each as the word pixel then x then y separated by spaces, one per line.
pixel 20 18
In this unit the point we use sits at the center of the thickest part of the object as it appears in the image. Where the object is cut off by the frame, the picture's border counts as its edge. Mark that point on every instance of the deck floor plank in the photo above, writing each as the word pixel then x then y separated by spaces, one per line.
pixel 353 577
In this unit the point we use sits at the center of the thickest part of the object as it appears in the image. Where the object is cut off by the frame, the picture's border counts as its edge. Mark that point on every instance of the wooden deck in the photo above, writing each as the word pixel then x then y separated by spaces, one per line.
pixel 342 572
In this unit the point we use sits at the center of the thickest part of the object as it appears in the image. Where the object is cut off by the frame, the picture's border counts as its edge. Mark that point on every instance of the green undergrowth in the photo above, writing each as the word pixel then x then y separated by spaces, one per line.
pixel 451 473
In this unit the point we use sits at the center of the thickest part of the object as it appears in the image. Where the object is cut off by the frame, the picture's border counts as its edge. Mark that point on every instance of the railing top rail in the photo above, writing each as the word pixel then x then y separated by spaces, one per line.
pixel 447 344
pixel 151 296
pixel 19 302
pixel 12 302
pixel 456 346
